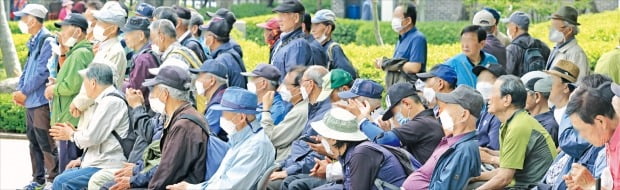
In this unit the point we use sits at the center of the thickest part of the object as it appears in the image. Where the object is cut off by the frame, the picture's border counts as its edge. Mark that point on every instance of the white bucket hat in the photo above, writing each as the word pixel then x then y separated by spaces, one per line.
pixel 339 124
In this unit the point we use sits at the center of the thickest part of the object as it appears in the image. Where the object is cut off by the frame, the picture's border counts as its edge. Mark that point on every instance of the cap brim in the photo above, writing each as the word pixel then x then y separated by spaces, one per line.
pixel 195 71
pixel 347 95
pixel 615 88
pixel 83 72
pixel 325 131
pixel 388 113
pixel 219 107
pixel 478 69
pixel 425 75
pixel 60 24
pixel 150 82
pixel 315 21
pixel 128 29
pixel 19 13
pixel 324 95
pixel 248 74
pixel 154 71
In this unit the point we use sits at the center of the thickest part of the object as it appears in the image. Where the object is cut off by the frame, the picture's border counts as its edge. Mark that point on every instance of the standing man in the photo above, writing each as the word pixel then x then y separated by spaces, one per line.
pixel 564 28
pixel 517 29
pixel 106 31
pixel 411 43
pixel 137 38
pixel 323 26
pixel 30 94
pixel 184 34
pixel 472 41
pixel 486 20
pixel 217 38
pixel 292 48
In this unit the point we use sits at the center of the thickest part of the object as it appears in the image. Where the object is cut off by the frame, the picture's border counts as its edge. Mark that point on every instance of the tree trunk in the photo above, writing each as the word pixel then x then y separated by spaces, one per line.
pixel 375 21
pixel 224 3
pixel 318 4
pixel 9 54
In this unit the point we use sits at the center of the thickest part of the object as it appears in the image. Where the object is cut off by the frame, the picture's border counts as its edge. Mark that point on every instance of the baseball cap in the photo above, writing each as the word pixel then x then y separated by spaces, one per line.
pixel 217 26
pixel 290 6
pixel 484 18
pixel 565 69
pixel 336 78
pixel 145 9
pixel 464 96
pixel 533 74
pixel 212 66
pixel 36 10
pixel 543 85
pixel 495 69
pixel 396 93
pixel 323 15
pixel 136 23
pixel 74 19
pixel 521 19
pixel 229 16
pixel 270 24
pixel 171 76
pixel 442 71
pixel 363 87
pixel 112 13
pixel 267 71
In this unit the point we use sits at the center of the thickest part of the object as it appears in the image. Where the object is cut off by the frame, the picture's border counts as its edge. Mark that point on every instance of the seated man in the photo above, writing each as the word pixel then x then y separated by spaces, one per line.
pixel 265 78
pixel 419 132
pixel 107 116
pixel 211 82
pixel 184 144
pixel 441 79
pixel 366 91
pixel 538 90
pixel 456 158
pixel 337 80
pixel 526 148
pixel 488 125
pixel 250 154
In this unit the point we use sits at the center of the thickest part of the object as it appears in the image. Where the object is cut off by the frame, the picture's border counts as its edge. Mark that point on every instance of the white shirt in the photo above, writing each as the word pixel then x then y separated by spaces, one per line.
pixel 558 114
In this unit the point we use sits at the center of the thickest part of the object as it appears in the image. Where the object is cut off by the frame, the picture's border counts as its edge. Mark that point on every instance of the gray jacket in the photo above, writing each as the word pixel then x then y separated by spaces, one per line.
pixel 515 53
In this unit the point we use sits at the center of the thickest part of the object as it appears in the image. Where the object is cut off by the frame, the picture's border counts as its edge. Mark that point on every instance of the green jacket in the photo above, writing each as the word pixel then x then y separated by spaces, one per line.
pixel 68 82
pixel 608 65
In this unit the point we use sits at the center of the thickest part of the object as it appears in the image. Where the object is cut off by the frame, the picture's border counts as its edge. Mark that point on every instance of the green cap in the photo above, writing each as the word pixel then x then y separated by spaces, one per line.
pixel 332 80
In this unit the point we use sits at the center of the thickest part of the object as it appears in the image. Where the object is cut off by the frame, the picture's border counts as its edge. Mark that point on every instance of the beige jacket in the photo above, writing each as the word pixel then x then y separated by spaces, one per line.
pixel 573 52
pixel 289 129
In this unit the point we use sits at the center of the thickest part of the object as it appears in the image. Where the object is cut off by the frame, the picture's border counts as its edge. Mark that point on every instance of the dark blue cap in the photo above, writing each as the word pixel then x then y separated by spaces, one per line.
pixel 212 66
pixel 136 23
pixel 172 76
pixel 363 87
pixel 396 93
pixel 443 71
pixel 238 100
pixel 145 9
pixel 267 71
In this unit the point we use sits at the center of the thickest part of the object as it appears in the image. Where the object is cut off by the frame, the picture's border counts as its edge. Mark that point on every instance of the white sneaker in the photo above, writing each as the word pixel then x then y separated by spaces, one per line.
pixel 48 186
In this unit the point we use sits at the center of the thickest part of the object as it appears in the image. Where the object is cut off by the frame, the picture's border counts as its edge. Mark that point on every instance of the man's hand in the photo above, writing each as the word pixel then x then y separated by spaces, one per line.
pixel 385 125
pixel 579 177
pixel 485 157
pixel 49 92
pixel 357 108
pixel 378 63
pixel 179 186
pixel 50 81
pixel 318 147
pixel 19 98
pixel 122 183
pixel 62 131
pixel 126 171
pixel 74 111
pixel 134 97
pixel 73 164
pixel 320 168
pixel 278 175
pixel 268 100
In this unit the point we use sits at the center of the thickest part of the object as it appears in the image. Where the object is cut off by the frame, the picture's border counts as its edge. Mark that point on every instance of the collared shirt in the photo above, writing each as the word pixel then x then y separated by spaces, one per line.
pixel 520 136
pixel 250 155
pixel 422 177
pixel 283 134
pixel 33 79
pixel 279 109
pixel 412 46
pixel 613 157
pixel 463 67
pixel 112 53
pixel 107 114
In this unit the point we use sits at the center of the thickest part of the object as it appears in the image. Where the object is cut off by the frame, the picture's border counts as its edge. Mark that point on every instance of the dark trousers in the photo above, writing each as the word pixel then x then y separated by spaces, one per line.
pixel 43 152
pixel 67 151
pixel 301 182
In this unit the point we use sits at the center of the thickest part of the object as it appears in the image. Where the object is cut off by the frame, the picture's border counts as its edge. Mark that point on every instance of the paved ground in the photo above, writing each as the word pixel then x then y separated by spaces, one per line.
pixel 15 170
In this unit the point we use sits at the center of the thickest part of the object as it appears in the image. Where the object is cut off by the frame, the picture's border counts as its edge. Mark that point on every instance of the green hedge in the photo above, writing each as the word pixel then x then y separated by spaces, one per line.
pixel 12 117
pixel 245 10
pixel 48 24
pixel 361 32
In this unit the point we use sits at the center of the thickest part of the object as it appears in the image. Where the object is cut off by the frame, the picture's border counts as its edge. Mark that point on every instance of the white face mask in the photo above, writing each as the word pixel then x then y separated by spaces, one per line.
pixel 285 94
pixel 251 87
pixel 429 94
pixel 23 27
pixel 228 126
pixel 98 33
pixel 200 89
pixel 322 38
pixel 55 48
pixel 508 33
pixel 157 106
pixel 304 93
pixel 556 36
pixel 333 172
pixel 328 148
pixel 446 121
pixel 155 49
pixel 397 24
pixel 485 89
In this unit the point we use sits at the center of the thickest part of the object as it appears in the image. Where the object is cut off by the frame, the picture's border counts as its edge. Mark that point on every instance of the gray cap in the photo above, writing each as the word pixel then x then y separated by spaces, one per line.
pixel 543 85
pixel 113 13
pixel 466 97
pixel 521 19
pixel 36 10
pixel 323 15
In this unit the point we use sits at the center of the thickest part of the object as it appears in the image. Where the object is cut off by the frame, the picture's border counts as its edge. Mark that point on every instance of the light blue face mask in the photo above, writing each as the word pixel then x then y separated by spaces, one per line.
pixel 401 118
pixel 206 49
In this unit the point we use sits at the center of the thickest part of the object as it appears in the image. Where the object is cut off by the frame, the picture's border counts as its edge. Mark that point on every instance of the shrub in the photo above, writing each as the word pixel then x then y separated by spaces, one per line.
pixel 253 9
pixel 48 24
pixel 12 117
pixel 20 46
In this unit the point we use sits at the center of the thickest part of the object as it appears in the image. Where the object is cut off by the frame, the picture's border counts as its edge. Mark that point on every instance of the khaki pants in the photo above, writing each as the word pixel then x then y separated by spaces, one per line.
pixel 101 177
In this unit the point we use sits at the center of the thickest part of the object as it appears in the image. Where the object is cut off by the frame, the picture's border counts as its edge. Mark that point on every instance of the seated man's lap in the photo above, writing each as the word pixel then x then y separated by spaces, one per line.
pixel 77 177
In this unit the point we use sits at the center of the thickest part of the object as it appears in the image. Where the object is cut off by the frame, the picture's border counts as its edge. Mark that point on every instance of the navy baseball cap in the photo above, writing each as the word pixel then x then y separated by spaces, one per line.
pixel 136 23
pixel 396 93
pixel 212 66
pixel 267 71
pixel 495 69
pixel 442 71
pixel 172 76
pixel 363 87
pixel 218 26
pixel 145 9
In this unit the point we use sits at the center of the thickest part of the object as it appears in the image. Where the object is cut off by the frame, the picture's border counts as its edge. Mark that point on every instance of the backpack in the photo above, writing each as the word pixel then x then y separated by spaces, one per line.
pixel 127 142
pixel 533 59
pixel 216 148
pixel 190 56
pixel 330 55
pixel 406 160
pixel 155 57
pixel 202 48
pixel 41 42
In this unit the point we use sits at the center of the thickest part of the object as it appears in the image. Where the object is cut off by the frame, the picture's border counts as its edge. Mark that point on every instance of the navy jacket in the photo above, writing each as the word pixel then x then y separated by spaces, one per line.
pixel 290 50
pixel 488 130
pixel 338 60
pixel 228 55
pixel 195 46
pixel 459 163
pixel 33 79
